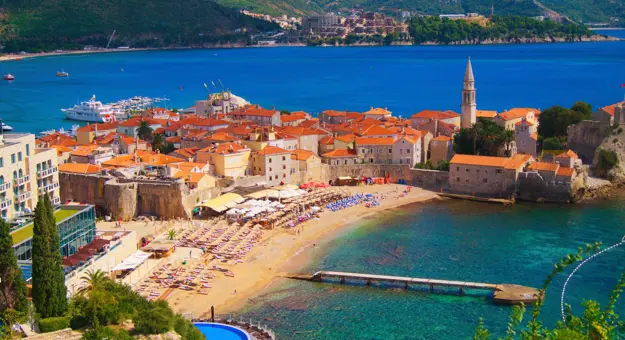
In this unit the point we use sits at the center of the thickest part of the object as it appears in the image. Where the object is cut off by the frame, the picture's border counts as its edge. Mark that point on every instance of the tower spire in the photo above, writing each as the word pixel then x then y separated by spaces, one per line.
pixel 468 74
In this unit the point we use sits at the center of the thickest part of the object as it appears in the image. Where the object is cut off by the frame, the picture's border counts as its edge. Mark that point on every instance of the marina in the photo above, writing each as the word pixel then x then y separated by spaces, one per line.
pixel 96 112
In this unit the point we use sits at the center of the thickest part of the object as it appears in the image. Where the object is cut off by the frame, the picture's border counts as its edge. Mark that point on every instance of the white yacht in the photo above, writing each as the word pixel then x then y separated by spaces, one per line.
pixel 6 127
pixel 93 111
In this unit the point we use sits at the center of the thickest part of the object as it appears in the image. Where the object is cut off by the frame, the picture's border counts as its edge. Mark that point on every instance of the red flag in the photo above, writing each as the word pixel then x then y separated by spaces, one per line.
pixel 622 85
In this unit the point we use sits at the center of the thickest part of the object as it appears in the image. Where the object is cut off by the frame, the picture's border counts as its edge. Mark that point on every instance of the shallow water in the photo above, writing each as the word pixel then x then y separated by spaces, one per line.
pixel 453 240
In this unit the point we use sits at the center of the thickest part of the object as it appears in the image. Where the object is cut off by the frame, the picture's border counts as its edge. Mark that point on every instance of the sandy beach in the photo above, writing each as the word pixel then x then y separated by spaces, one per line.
pixel 267 262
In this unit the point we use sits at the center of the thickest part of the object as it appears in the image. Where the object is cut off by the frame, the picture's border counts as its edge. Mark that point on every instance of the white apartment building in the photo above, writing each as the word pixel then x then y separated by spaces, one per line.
pixel 26 173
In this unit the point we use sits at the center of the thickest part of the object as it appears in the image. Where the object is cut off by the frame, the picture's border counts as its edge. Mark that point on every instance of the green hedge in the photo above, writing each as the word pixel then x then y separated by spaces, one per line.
pixel 53 324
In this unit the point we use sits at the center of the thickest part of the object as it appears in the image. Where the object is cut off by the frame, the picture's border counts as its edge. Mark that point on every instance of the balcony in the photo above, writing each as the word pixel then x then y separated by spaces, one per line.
pixel 56 200
pixel 5 204
pixel 47 172
pixel 21 180
pixel 48 188
pixel 5 186
pixel 23 197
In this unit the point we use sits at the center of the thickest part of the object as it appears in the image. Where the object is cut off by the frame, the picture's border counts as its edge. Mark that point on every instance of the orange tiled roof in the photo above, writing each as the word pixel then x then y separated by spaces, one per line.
pixel 84 151
pixel 479 160
pixel 225 148
pixel 301 155
pixel 375 130
pixel 442 138
pixel 187 152
pixel 544 166
pixel 609 109
pixel 309 123
pixel 254 110
pixel 294 116
pixel 173 139
pixel 327 140
pixel 272 150
pixel 340 153
pixel 564 171
pixel 377 112
pixel 517 112
pixel 374 141
pixel 101 127
pixel 517 161
pixel 568 154
pixel 60 149
pixel 523 122
pixel 370 121
pixel 433 114
pixel 80 168
pixel 346 138
pixel 485 114
pixel 534 136
pixel 191 177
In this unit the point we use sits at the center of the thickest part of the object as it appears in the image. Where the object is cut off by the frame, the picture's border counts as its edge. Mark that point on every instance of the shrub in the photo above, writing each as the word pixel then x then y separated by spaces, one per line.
pixel 53 324
pixel 607 159
pixel 442 165
pixel 552 143
pixel 99 333
pixel 157 318
pixel 78 322
pixel 186 329
pixel 615 140
pixel 620 130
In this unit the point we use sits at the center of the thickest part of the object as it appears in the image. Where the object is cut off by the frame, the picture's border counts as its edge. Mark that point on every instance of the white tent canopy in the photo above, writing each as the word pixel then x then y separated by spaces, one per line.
pixel 133 261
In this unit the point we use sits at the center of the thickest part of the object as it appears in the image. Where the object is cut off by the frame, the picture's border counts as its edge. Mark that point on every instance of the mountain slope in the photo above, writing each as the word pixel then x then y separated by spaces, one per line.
pixel 577 10
pixel 137 22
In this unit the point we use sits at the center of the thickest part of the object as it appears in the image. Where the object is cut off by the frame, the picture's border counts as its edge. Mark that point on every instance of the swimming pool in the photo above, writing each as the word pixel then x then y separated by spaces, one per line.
pixel 218 331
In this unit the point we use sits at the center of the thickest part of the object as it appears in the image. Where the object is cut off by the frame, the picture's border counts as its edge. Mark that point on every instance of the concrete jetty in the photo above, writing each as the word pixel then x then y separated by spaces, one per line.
pixel 507 294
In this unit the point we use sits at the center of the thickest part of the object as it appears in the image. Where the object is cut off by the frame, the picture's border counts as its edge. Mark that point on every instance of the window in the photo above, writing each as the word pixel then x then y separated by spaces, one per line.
pixel 269 160
pixel 390 150
pixel 13 159
pixel 283 175
pixel 457 168
pixel 485 180
pixel 1 162
pixel 407 150
pixel 270 169
pixel 498 171
pixel 19 156
pixel 478 171
pixel 283 167
pixel 27 150
pixel 401 151
pixel 467 170
pixel 346 162
pixel 457 179
pixel 283 158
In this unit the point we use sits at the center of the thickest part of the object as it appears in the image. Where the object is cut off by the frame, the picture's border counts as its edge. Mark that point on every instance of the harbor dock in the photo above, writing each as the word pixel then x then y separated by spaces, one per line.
pixel 507 294
pixel 503 201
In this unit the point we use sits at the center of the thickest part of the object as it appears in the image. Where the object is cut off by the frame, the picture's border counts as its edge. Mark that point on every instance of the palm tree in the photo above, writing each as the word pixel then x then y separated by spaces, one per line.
pixel 505 139
pixel 158 141
pixel 144 131
pixel 93 280
pixel 171 234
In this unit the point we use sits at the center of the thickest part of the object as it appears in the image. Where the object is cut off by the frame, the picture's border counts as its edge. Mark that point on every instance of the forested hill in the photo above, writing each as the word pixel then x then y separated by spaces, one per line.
pixel 581 11
pixel 50 24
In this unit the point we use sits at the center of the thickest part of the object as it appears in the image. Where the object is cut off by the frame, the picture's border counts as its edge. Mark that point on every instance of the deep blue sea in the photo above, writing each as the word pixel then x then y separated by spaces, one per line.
pixel 403 79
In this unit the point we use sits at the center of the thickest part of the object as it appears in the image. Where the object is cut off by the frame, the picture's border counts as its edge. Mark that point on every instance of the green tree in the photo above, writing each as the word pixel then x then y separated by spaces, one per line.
pixel 552 143
pixel 158 141
pixel 91 281
pixel 284 112
pixel 485 138
pixel 13 291
pixel 584 109
pixel 144 131
pixel 442 165
pixel 49 291
pixel 157 318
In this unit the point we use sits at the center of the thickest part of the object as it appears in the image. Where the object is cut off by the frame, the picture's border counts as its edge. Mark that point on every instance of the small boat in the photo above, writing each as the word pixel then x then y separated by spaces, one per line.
pixel 62 74
pixel 8 76
pixel 6 127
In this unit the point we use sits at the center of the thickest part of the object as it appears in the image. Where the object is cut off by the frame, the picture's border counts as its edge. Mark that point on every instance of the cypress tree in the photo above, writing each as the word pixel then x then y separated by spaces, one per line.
pixel 13 291
pixel 41 269
pixel 59 290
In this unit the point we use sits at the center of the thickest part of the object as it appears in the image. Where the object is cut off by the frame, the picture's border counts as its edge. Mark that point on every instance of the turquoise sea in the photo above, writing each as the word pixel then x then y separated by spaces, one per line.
pixel 454 240
pixel 403 79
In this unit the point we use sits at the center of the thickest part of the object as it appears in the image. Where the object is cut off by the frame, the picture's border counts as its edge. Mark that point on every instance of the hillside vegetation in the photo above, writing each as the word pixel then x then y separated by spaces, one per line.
pixel 577 10
pixel 49 24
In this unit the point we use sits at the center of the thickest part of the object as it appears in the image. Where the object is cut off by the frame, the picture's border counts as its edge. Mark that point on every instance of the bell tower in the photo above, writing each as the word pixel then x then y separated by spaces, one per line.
pixel 468 107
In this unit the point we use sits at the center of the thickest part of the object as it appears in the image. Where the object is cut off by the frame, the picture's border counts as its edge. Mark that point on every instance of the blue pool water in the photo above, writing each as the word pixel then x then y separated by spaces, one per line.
pixel 404 79
pixel 214 331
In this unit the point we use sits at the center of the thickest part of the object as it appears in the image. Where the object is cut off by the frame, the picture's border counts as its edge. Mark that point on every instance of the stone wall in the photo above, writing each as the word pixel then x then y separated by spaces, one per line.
pixel 124 198
pixel 429 179
pixel 395 171
pixel 585 137
pixel 531 186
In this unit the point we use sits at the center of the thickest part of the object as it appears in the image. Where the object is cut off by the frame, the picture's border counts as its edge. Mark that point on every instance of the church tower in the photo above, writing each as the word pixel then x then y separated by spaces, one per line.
pixel 468 106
